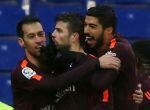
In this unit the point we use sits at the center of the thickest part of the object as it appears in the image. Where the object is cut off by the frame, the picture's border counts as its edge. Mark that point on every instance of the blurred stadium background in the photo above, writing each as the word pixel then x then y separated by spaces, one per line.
pixel 133 23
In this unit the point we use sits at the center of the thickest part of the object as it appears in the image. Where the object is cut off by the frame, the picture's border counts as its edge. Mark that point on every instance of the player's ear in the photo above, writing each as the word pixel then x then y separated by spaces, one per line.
pixel 21 42
pixel 109 30
pixel 75 37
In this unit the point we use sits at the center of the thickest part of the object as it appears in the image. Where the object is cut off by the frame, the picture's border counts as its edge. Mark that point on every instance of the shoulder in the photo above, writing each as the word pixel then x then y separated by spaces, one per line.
pixel 122 47
pixel 19 66
pixel 19 69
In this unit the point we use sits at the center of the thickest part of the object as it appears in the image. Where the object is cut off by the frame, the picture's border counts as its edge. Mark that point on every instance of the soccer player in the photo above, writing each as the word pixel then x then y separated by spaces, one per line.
pixel 100 29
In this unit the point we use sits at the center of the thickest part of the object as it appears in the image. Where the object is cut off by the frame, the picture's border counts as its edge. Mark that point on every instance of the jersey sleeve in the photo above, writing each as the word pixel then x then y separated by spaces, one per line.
pixel 102 79
pixel 42 82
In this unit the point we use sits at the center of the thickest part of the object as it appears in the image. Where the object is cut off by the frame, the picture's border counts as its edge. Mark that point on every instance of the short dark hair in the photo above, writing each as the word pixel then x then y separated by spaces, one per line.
pixel 26 20
pixel 76 23
pixel 105 14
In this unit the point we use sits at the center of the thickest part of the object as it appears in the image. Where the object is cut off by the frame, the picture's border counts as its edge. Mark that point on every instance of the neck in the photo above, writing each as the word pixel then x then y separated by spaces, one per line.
pixel 77 48
pixel 33 59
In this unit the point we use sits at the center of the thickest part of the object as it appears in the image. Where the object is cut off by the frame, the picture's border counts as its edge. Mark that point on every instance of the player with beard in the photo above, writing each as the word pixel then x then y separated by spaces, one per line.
pixel 100 29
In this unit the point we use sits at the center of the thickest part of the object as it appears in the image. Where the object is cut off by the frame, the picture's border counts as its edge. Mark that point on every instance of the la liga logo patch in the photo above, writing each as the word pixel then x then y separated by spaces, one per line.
pixel 28 72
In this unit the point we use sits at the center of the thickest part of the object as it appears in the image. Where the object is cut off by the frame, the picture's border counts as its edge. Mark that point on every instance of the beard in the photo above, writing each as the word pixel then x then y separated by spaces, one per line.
pixel 97 43
pixel 35 53
pixel 62 48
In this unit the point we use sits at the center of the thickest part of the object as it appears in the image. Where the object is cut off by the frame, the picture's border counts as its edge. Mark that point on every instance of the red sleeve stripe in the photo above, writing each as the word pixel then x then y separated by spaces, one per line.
pixel 92 56
pixel 112 43
pixel 105 96
pixel 37 77
pixel 147 95
pixel 24 63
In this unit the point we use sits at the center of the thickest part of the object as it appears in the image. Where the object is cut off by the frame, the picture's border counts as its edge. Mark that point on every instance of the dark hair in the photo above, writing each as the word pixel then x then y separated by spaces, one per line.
pixel 105 14
pixel 25 20
pixel 75 23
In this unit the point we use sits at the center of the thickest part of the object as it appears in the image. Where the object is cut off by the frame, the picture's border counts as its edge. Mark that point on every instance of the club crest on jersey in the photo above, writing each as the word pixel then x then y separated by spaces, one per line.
pixel 111 53
pixel 28 72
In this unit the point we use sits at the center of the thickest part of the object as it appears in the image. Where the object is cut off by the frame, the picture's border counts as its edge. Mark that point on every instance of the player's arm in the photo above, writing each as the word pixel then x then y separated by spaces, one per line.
pixel 109 67
pixel 101 79
pixel 52 83
pixel 73 76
